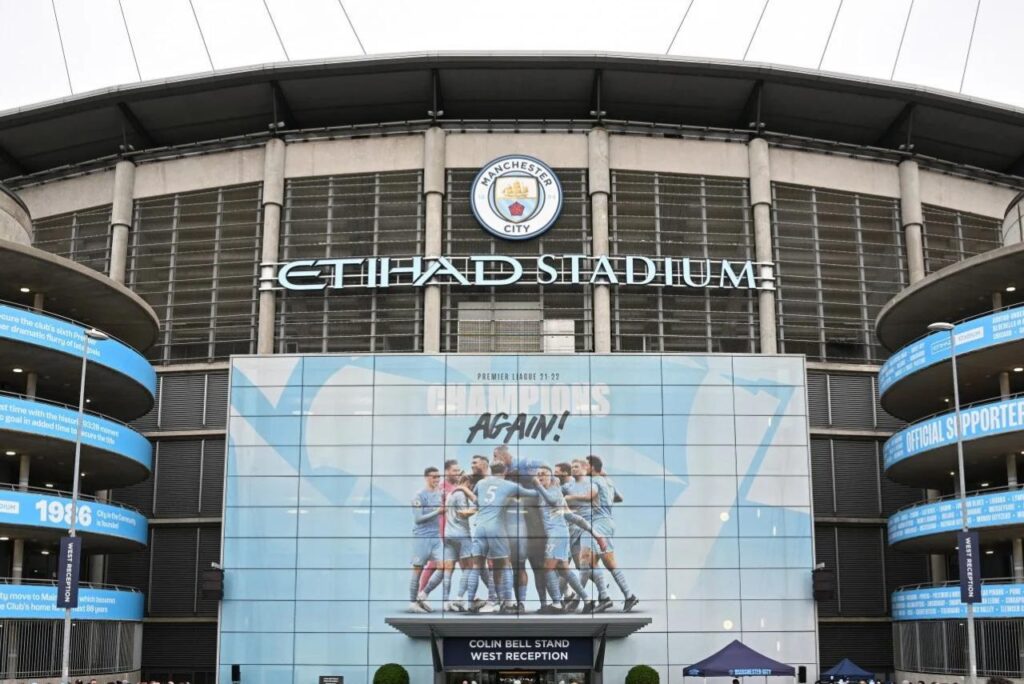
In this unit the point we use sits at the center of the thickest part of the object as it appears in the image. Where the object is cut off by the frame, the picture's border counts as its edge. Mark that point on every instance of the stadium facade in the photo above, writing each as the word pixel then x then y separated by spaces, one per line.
pixel 699 311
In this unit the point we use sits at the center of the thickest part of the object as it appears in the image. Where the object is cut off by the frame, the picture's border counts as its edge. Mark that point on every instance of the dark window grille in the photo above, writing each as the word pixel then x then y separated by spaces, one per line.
pixel 195 258
pixel 366 215
pixel 82 236
pixel 839 259
pixel 951 236
pixel 664 215
pixel 516 318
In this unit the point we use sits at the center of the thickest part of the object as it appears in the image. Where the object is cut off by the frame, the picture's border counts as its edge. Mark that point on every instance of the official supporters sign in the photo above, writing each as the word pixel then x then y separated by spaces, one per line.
pixel 518 652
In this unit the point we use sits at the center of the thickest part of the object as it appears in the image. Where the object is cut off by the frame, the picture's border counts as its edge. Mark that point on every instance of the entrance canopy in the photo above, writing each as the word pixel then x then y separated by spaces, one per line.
pixel 847 668
pixel 738 660
pixel 611 626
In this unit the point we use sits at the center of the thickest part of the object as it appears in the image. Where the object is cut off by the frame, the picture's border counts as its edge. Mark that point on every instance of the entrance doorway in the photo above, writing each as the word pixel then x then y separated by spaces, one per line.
pixel 517 677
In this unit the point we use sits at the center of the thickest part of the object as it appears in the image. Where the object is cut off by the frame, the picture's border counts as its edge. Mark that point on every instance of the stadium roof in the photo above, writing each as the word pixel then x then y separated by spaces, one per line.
pixel 550 86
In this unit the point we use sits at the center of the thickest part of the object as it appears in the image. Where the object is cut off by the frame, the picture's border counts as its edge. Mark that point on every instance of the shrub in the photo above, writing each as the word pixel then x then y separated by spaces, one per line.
pixel 641 674
pixel 393 673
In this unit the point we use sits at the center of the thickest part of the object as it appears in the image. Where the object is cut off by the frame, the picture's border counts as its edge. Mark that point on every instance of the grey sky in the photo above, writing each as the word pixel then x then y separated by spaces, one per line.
pixel 56 48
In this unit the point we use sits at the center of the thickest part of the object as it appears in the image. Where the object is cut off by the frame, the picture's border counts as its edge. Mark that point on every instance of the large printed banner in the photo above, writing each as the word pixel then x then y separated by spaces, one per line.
pixel 31 601
pixel 54 512
pixel 978 333
pixel 63 336
pixel 57 422
pixel 940 603
pixel 983 510
pixel 976 422
pixel 365 488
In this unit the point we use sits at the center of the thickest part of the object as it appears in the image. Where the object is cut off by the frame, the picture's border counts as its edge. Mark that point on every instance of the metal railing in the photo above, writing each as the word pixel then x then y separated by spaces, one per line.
pixel 32 648
pixel 10 581
pixel 940 646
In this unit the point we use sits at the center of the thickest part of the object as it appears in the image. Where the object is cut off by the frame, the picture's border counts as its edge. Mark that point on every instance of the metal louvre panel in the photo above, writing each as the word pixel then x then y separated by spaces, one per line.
pixel 857 477
pixel 885 421
pixel 895 495
pixel 209 552
pixel 358 215
pixel 902 569
pixel 177 478
pixel 216 399
pixel 826 552
pixel 839 259
pixel 179 647
pixel 212 495
pixel 82 236
pixel 853 401
pixel 129 569
pixel 195 258
pixel 181 401
pixel 821 477
pixel 463 235
pixel 173 572
pixel 138 495
pixel 951 236
pixel 655 214
pixel 867 644
pixel 817 399
pixel 862 579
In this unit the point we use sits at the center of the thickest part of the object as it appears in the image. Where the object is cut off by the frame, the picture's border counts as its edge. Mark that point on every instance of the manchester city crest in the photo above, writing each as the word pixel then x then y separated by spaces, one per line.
pixel 516 197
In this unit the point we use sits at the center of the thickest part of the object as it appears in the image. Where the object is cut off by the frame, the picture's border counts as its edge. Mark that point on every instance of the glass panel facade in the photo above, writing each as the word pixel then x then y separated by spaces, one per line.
pixel 839 259
pixel 951 236
pixel 511 318
pixel 82 236
pixel 194 257
pixel 377 214
pixel 337 467
pixel 665 215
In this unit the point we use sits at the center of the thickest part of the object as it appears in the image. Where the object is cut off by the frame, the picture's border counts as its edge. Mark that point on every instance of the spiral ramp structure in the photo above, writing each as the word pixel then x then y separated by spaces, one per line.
pixel 47 303
pixel 984 298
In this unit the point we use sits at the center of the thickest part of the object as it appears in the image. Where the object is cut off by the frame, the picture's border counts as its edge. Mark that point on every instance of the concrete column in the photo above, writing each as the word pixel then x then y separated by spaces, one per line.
pixel 761 205
pixel 599 182
pixel 18 550
pixel 273 200
pixel 433 194
pixel 121 218
pixel 936 561
pixel 912 218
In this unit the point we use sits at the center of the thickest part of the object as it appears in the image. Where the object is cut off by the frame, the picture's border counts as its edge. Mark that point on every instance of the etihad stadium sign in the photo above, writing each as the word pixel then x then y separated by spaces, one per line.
pixel 495 270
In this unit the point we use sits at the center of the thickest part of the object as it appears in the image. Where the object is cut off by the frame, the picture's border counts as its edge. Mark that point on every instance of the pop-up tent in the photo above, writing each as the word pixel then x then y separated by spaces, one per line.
pixel 848 669
pixel 738 660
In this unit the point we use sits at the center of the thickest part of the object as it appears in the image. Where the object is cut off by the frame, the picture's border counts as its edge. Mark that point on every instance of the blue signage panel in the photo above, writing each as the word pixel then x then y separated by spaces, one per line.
pixel 943 603
pixel 978 333
pixel 40 510
pixel 983 510
pixel 57 422
pixel 968 545
pixel 68 562
pixel 31 601
pixel 63 336
pixel 976 422
pixel 487 652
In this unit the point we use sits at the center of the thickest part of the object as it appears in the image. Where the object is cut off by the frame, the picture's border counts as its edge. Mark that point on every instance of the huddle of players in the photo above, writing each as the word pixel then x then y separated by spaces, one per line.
pixel 496 519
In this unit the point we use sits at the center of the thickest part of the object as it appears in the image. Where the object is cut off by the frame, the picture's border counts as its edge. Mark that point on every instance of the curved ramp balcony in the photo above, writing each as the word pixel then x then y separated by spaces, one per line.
pixel 917 380
pixel 119 381
pixel 113 454
pixel 37 600
pixel 1000 598
pixel 76 292
pixel 43 515
pixel 996 515
pixel 923 453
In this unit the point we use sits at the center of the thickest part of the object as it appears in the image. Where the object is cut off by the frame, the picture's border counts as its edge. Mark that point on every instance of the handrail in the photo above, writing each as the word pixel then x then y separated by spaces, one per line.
pixel 44 312
pixel 11 581
pixel 63 494
pixel 956 495
pixel 50 402
pixel 952 409
pixel 958 322
pixel 956 583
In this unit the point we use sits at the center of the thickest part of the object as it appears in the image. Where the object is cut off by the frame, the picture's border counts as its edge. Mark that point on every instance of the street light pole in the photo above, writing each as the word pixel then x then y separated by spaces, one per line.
pixel 91 334
pixel 972 658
